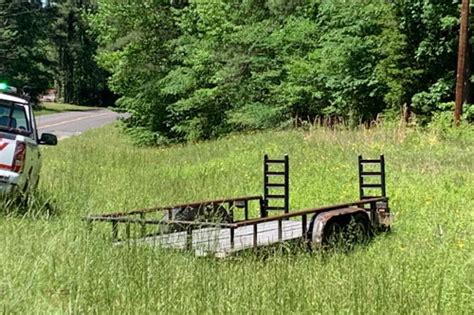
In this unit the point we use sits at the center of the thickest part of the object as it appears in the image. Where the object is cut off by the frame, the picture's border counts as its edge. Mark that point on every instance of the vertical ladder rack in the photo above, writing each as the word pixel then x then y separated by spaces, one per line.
pixel 379 173
pixel 275 185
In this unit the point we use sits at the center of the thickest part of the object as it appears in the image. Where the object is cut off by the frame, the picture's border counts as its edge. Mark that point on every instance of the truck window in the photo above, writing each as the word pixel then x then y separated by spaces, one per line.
pixel 14 117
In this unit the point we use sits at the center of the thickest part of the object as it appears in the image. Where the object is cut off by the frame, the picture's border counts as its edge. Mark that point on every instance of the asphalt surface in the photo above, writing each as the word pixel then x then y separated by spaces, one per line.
pixel 69 124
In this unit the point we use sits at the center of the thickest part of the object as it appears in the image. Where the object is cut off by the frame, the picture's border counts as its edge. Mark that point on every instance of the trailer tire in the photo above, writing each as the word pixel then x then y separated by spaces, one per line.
pixel 346 231
pixel 359 229
pixel 333 234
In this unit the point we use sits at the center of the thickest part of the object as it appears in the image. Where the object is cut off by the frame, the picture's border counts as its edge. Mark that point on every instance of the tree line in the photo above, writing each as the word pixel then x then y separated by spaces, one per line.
pixel 48 44
pixel 199 69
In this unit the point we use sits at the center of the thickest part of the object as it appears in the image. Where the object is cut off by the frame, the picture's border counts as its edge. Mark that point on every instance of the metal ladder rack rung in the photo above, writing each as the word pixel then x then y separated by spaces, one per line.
pixel 274 173
pixel 274 189
pixel 372 173
pixel 276 185
pixel 275 161
pixel 371 185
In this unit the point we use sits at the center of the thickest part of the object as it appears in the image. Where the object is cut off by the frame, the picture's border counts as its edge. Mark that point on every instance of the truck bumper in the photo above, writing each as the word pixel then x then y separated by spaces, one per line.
pixel 8 182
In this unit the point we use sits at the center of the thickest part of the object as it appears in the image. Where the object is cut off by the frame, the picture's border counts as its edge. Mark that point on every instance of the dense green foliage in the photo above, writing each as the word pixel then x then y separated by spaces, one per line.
pixel 24 58
pixel 79 79
pixel 425 266
pixel 191 70
pixel 209 68
pixel 47 44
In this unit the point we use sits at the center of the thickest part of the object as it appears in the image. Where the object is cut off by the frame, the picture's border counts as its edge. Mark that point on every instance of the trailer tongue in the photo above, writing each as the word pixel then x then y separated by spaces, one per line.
pixel 225 226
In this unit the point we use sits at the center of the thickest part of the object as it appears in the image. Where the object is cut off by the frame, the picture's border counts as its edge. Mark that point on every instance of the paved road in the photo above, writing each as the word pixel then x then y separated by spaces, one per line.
pixel 69 124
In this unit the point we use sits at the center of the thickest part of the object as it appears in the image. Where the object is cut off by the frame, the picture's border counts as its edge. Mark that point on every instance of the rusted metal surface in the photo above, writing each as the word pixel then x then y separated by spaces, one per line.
pixel 382 217
pixel 332 210
pixel 242 223
pixel 182 226
pixel 157 222
pixel 300 213
pixel 184 205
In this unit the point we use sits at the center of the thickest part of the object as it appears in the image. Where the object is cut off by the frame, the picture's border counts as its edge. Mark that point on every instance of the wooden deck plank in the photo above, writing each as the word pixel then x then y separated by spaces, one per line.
pixel 215 240
pixel 218 240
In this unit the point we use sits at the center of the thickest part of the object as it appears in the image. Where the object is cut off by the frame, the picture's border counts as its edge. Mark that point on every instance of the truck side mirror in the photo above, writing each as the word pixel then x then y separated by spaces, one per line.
pixel 48 139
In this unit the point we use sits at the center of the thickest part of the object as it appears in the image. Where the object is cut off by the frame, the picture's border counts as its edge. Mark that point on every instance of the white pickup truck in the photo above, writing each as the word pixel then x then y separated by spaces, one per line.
pixel 20 158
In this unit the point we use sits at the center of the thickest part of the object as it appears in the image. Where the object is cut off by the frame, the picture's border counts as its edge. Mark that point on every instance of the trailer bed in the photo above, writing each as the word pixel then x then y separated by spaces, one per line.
pixel 218 240
pixel 225 226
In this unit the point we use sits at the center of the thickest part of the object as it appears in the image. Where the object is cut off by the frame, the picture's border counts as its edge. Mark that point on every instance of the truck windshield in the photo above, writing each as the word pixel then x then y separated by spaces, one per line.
pixel 13 118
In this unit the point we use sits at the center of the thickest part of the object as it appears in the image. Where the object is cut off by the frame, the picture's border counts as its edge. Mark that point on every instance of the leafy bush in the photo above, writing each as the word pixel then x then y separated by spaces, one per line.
pixel 210 68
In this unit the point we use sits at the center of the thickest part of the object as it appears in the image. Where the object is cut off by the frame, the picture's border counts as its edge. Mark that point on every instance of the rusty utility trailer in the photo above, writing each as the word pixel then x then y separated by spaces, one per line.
pixel 225 226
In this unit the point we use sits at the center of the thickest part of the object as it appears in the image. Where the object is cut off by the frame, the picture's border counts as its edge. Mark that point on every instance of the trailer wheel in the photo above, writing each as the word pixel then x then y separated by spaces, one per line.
pixel 358 231
pixel 333 234
pixel 346 231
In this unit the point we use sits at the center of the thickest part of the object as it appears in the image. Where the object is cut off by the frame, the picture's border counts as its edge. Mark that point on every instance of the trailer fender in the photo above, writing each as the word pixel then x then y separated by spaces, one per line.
pixel 319 221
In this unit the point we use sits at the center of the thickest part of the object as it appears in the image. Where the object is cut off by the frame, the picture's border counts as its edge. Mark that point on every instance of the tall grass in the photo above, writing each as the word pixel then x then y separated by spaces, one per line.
pixel 50 263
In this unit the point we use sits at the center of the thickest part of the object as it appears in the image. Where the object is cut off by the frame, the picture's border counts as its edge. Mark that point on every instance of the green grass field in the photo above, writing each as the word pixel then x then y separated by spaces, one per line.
pixel 52 264
pixel 55 108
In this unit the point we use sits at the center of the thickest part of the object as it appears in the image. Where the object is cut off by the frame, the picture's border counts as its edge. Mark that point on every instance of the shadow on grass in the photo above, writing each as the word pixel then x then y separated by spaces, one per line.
pixel 37 205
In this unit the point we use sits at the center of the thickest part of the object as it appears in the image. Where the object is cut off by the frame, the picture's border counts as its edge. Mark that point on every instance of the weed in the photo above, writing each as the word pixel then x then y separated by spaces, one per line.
pixel 424 266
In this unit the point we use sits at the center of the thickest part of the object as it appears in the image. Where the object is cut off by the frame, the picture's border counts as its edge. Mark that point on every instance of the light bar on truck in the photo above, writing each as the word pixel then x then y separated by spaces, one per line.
pixel 4 87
